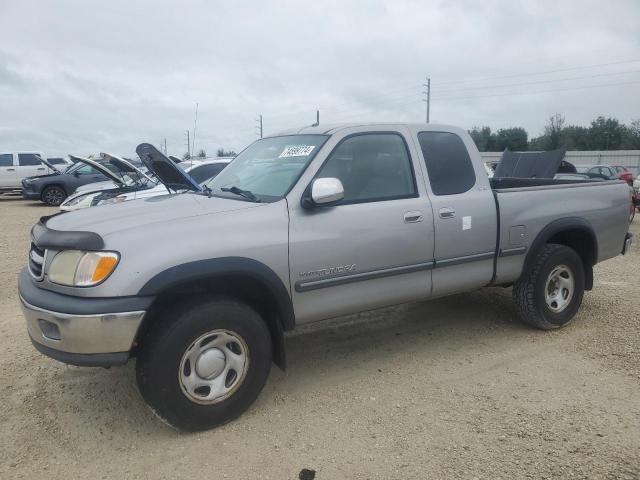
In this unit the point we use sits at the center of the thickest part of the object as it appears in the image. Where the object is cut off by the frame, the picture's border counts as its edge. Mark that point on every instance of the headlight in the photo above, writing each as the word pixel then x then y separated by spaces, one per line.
pixel 76 268
pixel 109 201
pixel 76 200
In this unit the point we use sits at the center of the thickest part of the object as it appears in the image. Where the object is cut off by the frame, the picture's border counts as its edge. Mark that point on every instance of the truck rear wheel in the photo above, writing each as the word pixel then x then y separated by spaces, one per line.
pixel 550 294
pixel 205 366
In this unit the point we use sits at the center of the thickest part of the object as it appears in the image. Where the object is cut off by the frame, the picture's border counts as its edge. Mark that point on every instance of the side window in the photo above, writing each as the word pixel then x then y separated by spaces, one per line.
pixel 86 170
pixel 448 164
pixel 371 167
pixel 6 159
pixel 28 159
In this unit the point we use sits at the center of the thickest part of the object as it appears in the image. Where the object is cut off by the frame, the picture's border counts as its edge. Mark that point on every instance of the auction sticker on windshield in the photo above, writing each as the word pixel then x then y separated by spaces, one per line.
pixel 297 151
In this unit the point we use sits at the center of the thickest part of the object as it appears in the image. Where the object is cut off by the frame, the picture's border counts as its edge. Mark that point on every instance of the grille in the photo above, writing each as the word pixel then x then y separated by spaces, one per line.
pixel 36 261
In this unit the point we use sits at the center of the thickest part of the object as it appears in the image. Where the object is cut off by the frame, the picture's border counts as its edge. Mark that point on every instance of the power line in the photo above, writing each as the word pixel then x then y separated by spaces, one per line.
pixel 545 91
pixel 538 82
pixel 480 79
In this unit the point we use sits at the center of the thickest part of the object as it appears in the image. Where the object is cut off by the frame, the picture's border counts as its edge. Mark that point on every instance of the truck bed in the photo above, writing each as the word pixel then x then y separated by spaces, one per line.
pixel 527 205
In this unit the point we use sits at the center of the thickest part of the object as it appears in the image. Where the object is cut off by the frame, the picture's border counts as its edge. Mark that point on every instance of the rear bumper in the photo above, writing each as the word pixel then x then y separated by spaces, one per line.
pixel 81 331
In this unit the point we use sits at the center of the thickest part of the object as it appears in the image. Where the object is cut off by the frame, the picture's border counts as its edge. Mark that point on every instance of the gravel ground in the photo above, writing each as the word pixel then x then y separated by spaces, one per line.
pixel 454 388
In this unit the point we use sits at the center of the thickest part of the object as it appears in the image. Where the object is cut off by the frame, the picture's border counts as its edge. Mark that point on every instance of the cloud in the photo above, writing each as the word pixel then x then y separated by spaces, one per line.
pixel 82 77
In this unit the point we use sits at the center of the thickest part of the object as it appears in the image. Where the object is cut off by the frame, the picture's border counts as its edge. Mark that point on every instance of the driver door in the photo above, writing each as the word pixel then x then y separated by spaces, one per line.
pixel 373 249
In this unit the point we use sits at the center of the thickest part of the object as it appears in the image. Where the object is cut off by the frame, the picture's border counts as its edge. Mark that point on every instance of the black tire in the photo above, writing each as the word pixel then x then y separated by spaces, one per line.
pixel 529 291
pixel 53 195
pixel 162 348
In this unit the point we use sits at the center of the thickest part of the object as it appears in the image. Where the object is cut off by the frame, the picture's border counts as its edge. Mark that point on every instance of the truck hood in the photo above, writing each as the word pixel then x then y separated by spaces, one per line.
pixel 108 219
pixel 165 169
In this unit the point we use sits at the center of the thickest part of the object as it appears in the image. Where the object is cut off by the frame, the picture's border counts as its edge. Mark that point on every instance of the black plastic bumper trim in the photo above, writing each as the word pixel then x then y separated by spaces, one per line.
pixel 83 359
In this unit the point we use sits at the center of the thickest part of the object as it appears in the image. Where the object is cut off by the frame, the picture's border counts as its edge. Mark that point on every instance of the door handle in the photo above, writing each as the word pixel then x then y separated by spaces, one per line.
pixel 40 169
pixel 413 217
pixel 11 169
pixel 447 212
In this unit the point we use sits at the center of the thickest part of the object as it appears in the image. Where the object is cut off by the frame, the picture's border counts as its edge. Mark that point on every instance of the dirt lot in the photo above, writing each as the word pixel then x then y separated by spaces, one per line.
pixel 455 388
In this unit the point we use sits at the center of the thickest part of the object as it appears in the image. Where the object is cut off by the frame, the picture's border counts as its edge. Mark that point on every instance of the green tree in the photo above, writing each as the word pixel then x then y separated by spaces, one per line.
pixel 606 134
pixel 186 156
pixel 225 153
pixel 202 153
pixel 631 136
pixel 483 138
pixel 514 138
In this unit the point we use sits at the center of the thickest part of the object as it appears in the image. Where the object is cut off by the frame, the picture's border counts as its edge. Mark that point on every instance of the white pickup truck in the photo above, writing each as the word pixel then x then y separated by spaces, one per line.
pixel 14 166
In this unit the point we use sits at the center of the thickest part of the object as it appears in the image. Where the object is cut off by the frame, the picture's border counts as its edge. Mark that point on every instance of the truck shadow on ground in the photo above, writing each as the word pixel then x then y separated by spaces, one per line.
pixel 366 340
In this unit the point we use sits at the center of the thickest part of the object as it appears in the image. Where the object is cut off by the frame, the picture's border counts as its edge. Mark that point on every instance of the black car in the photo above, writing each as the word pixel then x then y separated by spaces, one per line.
pixel 53 189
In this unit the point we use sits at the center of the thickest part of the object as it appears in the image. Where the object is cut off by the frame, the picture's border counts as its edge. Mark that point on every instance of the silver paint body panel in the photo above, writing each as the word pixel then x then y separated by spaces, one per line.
pixel 391 242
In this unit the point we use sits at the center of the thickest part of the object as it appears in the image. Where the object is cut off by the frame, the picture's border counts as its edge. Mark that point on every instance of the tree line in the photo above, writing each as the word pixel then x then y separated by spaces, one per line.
pixel 602 134
pixel 203 154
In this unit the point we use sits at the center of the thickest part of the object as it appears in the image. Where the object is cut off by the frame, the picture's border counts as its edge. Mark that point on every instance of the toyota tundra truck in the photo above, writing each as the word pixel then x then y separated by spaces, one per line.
pixel 200 285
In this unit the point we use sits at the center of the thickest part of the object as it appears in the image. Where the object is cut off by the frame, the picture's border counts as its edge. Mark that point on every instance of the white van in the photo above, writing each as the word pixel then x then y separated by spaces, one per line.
pixel 14 166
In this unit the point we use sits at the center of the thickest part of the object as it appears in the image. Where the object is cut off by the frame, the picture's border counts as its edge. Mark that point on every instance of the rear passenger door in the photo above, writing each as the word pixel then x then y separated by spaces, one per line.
pixel 8 176
pixel 29 165
pixel 464 210
pixel 375 248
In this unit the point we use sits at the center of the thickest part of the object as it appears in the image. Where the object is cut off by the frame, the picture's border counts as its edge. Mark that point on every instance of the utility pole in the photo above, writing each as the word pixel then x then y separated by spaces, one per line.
pixel 427 95
pixel 195 125
pixel 165 145
pixel 317 119
pixel 259 126
pixel 188 144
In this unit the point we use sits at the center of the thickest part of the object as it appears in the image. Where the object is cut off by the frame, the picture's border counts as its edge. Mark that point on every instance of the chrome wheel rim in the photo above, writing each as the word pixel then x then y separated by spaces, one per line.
pixel 559 289
pixel 213 367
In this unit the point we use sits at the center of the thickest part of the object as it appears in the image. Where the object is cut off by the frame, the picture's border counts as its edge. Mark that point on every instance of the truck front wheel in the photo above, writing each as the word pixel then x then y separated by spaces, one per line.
pixel 550 294
pixel 204 366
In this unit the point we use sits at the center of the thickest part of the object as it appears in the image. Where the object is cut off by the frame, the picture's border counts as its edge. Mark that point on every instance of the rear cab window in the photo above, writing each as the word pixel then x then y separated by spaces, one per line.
pixel 448 163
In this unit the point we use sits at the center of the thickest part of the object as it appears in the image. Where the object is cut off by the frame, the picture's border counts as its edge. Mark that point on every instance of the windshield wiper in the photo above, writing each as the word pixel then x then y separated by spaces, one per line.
pixel 239 191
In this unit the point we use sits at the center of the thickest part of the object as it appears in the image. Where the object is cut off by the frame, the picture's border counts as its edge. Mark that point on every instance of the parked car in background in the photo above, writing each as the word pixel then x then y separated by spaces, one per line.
pixel 604 172
pixel 636 193
pixel 52 189
pixel 15 166
pixel 111 193
pixel 623 173
pixel 59 162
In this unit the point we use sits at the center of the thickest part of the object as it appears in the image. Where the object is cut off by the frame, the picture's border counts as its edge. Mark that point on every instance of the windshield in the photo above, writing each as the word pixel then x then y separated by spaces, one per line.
pixel 267 168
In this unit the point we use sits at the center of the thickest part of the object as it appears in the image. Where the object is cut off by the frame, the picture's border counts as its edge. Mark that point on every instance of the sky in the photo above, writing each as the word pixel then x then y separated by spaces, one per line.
pixel 84 77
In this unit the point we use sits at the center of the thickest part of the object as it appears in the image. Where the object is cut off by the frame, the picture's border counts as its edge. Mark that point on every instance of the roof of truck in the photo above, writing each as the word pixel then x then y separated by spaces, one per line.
pixel 331 128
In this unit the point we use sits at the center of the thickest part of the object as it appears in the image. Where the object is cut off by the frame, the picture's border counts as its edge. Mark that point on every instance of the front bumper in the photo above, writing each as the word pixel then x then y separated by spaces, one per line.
pixel 30 195
pixel 81 331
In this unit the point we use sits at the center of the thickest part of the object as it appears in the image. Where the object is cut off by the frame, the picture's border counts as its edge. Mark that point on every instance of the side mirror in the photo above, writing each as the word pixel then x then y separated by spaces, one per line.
pixel 76 174
pixel 323 192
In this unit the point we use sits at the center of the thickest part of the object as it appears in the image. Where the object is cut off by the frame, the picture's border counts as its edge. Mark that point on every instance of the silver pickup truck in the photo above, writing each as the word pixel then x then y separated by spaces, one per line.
pixel 319 222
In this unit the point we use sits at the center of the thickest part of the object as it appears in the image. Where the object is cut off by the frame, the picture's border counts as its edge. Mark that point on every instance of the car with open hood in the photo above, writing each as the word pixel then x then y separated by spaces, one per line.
pixel 54 188
pixel 108 193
